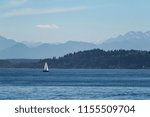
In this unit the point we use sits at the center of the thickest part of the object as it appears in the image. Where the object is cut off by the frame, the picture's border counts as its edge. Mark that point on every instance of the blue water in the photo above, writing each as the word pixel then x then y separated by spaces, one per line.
pixel 74 84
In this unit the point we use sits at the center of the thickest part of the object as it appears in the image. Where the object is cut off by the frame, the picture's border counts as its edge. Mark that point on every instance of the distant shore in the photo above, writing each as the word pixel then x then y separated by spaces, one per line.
pixel 89 59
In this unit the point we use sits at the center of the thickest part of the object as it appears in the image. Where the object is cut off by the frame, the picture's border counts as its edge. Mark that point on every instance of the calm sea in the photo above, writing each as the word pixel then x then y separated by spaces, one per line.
pixel 74 84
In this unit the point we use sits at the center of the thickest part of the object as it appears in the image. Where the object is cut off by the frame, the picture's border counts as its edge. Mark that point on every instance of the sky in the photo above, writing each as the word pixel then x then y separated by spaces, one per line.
pixel 58 21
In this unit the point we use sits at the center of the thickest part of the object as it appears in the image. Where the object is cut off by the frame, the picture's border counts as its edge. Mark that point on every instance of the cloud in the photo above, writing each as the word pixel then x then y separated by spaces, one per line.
pixel 31 11
pixel 16 2
pixel 13 3
pixel 48 26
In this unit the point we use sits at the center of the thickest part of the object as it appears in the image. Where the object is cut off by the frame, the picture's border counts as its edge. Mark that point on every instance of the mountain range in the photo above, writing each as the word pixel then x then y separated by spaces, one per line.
pixel 11 49
pixel 131 40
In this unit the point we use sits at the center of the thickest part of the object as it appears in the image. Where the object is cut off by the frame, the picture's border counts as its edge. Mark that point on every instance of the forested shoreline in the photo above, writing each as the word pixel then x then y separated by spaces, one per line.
pixel 88 59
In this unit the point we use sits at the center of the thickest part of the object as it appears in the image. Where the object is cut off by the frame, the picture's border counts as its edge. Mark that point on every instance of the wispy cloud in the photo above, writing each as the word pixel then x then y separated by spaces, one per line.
pixel 13 4
pixel 17 2
pixel 31 11
pixel 48 26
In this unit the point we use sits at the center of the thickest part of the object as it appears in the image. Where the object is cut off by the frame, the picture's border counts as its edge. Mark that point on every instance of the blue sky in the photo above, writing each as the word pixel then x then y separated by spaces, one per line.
pixel 57 21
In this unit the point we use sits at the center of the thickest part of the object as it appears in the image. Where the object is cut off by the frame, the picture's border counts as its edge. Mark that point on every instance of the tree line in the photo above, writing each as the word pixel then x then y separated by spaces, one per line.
pixel 92 59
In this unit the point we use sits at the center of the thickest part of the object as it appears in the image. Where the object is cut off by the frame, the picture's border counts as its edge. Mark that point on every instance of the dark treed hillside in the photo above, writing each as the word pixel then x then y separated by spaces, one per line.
pixel 103 59
pixel 5 63
pixel 95 59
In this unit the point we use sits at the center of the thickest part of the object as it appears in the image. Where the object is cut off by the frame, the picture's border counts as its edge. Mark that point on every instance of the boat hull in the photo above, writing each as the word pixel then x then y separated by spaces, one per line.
pixel 45 71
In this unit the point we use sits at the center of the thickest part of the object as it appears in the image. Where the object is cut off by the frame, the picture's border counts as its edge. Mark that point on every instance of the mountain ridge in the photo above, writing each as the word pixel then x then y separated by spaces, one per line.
pixel 10 49
pixel 5 43
pixel 131 40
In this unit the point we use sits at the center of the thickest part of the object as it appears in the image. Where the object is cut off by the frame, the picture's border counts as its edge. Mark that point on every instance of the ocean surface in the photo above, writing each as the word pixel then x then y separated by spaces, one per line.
pixel 74 84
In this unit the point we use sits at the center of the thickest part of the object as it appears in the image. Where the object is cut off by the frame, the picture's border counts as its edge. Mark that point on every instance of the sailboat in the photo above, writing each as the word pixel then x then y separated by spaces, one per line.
pixel 45 67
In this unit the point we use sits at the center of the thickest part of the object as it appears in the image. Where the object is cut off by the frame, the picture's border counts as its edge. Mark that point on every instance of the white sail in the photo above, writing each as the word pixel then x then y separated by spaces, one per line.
pixel 45 67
